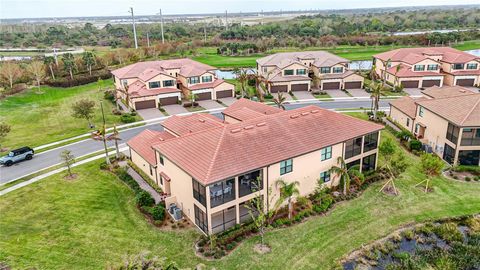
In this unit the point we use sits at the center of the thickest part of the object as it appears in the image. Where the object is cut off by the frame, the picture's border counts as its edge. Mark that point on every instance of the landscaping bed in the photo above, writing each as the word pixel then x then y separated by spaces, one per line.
pixel 464 173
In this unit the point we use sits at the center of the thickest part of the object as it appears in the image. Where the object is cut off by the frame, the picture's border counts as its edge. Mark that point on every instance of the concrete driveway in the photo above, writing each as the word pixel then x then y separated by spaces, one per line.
pixel 148 114
pixel 413 91
pixel 210 104
pixel 303 95
pixel 358 92
pixel 337 93
pixel 174 109
pixel 228 101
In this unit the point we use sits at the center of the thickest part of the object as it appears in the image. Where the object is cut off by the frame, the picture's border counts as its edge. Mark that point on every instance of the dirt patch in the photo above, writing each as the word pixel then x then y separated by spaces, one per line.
pixel 261 249
pixel 461 176
pixel 71 177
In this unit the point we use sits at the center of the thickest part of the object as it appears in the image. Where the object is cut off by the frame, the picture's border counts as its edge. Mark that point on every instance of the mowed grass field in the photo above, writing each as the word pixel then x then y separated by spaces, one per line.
pixel 38 118
pixel 91 222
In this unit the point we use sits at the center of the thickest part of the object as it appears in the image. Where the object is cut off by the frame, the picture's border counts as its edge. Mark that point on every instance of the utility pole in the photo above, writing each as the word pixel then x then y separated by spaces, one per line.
pixel 134 30
pixel 148 40
pixel 55 55
pixel 226 20
pixel 205 32
pixel 161 26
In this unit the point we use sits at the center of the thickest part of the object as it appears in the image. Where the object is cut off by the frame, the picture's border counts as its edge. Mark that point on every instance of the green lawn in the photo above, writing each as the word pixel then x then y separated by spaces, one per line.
pixel 38 119
pixel 91 222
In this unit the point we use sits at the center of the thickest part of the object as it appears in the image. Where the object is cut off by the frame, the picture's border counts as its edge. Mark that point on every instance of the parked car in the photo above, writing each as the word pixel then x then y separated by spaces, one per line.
pixel 23 153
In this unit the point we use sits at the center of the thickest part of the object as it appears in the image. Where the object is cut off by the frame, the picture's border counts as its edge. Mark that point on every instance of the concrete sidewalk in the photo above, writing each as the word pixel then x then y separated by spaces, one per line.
pixel 144 185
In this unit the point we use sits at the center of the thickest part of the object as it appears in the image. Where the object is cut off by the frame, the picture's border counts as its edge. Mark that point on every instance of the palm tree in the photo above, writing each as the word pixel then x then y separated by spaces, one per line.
pixel 49 61
pixel 373 72
pixel 115 136
pixel 316 80
pixel 242 78
pixel 287 192
pixel 101 135
pixel 69 63
pixel 384 73
pixel 344 173
pixel 376 91
pixel 280 100
pixel 397 69
pixel 89 60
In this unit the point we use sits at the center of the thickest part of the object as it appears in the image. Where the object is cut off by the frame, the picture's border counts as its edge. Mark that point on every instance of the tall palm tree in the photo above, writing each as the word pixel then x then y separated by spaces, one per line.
pixel 69 63
pixel 279 100
pixel 242 77
pixel 397 69
pixel 287 192
pixel 344 173
pixel 384 73
pixel 101 135
pixel 49 61
pixel 89 60
pixel 376 92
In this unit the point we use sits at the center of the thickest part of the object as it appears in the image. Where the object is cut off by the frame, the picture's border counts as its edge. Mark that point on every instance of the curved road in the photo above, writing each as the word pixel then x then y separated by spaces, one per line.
pixel 52 157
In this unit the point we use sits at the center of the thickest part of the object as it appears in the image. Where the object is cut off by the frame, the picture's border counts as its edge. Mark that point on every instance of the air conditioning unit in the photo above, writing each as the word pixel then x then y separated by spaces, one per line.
pixel 171 208
pixel 177 214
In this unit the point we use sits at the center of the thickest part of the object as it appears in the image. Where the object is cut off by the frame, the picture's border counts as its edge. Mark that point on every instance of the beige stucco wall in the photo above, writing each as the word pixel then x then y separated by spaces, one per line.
pixel 436 130
pixel 222 87
pixel 133 100
pixel 160 78
pixel 295 66
pixel 142 164
pixel 401 118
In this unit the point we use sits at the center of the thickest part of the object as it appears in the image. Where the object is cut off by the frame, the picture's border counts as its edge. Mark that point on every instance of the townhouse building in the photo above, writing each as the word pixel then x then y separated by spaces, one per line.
pixel 212 168
pixel 157 83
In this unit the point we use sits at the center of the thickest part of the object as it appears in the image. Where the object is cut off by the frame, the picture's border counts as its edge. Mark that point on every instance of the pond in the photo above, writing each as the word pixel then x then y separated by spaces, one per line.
pixel 422 247
pixel 442 31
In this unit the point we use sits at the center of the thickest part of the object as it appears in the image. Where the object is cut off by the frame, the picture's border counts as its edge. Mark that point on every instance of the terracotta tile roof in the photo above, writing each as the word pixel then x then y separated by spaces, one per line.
pixel 142 143
pixel 187 67
pixel 139 89
pixel 473 72
pixel 213 84
pixel 406 71
pixel 337 75
pixel 251 105
pixel 149 73
pixel 226 151
pixel 461 110
pixel 244 114
pixel 414 55
pixel 446 91
pixel 183 125
pixel 321 58
pixel 406 105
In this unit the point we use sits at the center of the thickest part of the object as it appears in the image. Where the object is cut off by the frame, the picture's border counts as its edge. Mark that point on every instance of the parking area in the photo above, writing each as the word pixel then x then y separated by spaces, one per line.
pixel 210 104
pixel 358 92
pixel 414 92
pixel 174 109
pixel 301 95
pixel 337 93
pixel 148 114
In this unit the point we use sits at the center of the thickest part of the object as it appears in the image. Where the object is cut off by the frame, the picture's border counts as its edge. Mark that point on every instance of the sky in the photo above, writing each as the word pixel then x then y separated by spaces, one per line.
pixel 77 8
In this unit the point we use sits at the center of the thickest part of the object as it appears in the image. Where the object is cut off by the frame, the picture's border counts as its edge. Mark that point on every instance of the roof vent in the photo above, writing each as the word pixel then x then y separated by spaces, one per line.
pixel 463 91
pixel 248 127
pixel 261 124
pixel 293 116
pixel 201 120
pixel 305 113
pixel 236 130
pixel 314 111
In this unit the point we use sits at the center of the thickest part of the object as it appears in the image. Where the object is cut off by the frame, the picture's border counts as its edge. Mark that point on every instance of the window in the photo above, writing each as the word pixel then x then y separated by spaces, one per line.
pixel 432 67
pixel 408 122
pixel 222 192
pixel 368 163
pixel 470 137
pixel 161 160
pixel 419 67
pixel 161 180
pixel 206 79
pixel 452 133
pixel 301 71
pixel 249 183
pixel 469 157
pixel 370 142
pixel 265 70
pixel 151 170
pixel 286 166
pixel 125 83
pixel 325 176
pixel 223 220
pixel 288 72
pixel 338 70
pixel 326 153
pixel 417 128
pixel 449 154
pixel 168 83
pixel 458 66
pixel 420 111
pixel 199 192
pixel 153 84
pixel 193 80
pixel 472 66
pixel 354 163
pixel 201 219
pixel 324 70
pixel 353 147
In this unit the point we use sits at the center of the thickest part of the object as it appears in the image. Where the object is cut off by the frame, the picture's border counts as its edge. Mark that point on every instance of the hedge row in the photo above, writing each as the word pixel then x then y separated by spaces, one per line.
pixel 79 79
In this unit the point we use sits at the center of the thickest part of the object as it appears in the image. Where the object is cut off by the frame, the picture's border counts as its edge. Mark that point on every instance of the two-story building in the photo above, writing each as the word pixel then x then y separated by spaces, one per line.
pixel 211 168
pixel 157 83
pixel 446 119
pixel 293 71
pixel 426 67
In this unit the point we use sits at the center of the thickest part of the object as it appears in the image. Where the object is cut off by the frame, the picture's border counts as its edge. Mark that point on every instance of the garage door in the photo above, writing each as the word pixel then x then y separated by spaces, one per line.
pixel 278 88
pixel 430 83
pixel 300 87
pixel 410 84
pixel 224 94
pixel 168 101
pixel 465 82
pixel 331 85
pixel 146 104
pixel 203 96
pixel 353 85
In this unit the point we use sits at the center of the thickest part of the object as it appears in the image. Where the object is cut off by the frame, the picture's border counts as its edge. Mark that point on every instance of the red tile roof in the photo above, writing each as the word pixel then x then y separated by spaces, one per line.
pixel 414 55
pixel 183 125
pixel 251 105
pixel 406 71
pixel 213 84
pixel 446 91
pixel 461 110
pixel 406 105
pixel 142 143
pixel 139 89
pixel 219 153
pixel 244 114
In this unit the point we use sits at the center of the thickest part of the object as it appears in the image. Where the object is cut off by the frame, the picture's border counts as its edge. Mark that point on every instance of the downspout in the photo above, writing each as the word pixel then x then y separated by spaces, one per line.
pixel 268 186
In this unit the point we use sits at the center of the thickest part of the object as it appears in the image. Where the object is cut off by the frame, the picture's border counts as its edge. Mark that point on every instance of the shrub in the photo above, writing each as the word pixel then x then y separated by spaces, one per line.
pixel 79 79
pixel 158 212
pixel 144 198
pixel 115 111
pixel 17 88
pixel 125 177
pixel 103 166
pixel 268 96
pixel 127 118
pixel 230 246
pixel 468 179
pixel 109 95
pixel 448 232
pixel 415 145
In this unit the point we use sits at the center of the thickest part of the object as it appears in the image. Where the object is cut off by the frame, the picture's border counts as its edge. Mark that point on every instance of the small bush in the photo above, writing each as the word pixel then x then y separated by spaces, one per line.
pixel 127 118
pixel 79 79
pixel 158 212
pixel 408 234
pixel 144 198
pixel 116 111
pixel 268 96
pixel 468 179
pixel 109 95
pixel 230 246
pixel 415 145
pixel 448 232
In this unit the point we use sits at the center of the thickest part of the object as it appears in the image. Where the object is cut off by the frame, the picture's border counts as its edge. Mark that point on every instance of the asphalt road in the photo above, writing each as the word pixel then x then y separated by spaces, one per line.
pixel 52 157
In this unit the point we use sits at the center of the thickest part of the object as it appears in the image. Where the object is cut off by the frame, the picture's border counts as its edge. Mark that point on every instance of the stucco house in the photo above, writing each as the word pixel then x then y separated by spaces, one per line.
pixel 292 71
pixel 155 83
pixel 212 168
pixel 447 119
pixel 428 66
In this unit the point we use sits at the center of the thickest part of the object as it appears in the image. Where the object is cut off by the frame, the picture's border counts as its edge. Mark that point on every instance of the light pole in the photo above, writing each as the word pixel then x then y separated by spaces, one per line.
pixel 134 30
pixel 161 26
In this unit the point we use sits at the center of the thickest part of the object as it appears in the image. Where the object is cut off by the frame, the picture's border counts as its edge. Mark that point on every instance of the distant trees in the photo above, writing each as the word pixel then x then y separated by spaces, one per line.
pixel 11 72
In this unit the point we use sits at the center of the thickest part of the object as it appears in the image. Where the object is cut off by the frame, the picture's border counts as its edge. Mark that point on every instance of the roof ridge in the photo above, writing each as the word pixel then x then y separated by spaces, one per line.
pixel 215 154
pixel 471 110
